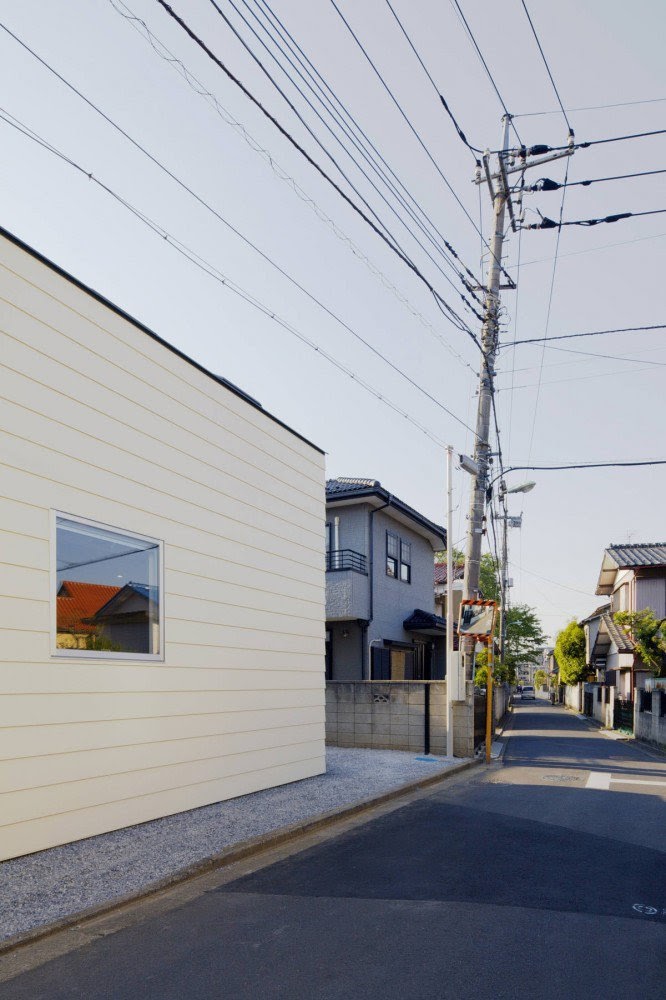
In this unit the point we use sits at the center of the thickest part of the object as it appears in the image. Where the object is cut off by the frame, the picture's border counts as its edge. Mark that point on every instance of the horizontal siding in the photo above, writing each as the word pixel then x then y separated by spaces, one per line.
pixel 60 769
pixel 75 392
pixel 100 421
pixel 88 821
pixel 18 807
pixel 88 347
pixel 39 710
pixel 20 742
pixel 25 455
pixel 122 676
pixel 96 440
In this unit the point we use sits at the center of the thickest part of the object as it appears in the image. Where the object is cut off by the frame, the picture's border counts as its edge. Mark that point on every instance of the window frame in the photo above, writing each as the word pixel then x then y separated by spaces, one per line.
pixel 393 559
pixel 101 654
pixel 407 564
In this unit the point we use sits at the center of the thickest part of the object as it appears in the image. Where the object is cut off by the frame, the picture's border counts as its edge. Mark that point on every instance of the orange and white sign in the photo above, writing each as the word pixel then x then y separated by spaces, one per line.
pixel 477 618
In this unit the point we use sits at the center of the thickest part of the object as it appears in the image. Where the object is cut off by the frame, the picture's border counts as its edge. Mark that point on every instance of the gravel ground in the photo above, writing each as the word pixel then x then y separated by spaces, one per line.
pixel 43 887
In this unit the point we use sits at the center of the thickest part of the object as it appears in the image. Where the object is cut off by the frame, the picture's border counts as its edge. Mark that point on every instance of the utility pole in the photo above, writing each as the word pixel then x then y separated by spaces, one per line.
pixel 498 185
pixel 489 343
pixel 449 604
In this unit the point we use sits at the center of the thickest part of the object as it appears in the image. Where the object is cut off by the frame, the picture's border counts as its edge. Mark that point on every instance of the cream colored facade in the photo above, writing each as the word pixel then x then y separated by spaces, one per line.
pixel 102 421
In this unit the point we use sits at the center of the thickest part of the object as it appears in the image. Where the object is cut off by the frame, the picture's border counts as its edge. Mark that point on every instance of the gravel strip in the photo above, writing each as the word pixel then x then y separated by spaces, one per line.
pixel 43 887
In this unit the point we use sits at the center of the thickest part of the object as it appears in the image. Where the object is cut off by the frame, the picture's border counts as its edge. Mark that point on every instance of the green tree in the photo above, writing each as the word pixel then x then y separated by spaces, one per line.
pixel 488 572
pixel 649 636
pixel 540 678
pixel 501 671
pixel 524 636
pixel 570 653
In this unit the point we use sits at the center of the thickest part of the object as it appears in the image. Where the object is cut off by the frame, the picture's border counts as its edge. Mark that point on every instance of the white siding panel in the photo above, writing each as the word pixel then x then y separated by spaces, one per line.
pixel 36 772
pixel 67 677
pixel 18 743
pixel 37 710
pixel 23 550
pixel 101 421
pixel 82 472
pixel 73 392
pixel 86 348
pixel 30 584
pixel 49 830
pixel 66 796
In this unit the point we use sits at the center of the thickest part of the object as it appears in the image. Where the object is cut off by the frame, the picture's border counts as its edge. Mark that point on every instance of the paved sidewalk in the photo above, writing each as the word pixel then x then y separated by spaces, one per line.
pixel 49 886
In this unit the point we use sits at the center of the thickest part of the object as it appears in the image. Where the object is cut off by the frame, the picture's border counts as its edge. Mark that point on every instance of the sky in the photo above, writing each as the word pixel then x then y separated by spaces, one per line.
pixel 386 408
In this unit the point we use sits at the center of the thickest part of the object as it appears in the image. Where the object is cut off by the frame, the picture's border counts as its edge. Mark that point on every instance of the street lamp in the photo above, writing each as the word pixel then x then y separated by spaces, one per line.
pixel 523 488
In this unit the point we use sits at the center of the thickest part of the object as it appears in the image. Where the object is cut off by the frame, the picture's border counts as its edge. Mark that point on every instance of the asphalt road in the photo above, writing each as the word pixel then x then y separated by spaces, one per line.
pixel 540 877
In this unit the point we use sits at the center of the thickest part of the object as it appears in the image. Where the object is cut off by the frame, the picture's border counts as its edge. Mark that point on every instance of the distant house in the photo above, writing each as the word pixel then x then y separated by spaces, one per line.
pixel 76 603
pixel 440 588
pixel 633 577
pixel 161 549
pixel 129 620
pixel 381 622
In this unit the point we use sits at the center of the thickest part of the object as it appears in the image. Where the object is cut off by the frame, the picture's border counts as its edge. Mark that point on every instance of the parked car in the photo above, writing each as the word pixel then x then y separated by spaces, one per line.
pixel 527 692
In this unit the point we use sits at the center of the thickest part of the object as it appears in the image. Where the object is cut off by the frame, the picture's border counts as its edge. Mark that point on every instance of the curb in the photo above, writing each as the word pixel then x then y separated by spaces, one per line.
pixel 237 852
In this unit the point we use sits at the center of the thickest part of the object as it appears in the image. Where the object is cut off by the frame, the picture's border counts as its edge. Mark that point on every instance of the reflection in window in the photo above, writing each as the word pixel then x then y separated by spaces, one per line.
pixel 107 590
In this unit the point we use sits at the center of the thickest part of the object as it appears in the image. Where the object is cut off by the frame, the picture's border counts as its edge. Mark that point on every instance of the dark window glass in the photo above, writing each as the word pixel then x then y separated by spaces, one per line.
pixel 392 553
pixel 107 590
pixel 406 562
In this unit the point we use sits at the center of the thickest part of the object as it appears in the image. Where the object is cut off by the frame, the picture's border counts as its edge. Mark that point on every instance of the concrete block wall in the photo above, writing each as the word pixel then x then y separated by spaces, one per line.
pixel 650 726
pixel 387 715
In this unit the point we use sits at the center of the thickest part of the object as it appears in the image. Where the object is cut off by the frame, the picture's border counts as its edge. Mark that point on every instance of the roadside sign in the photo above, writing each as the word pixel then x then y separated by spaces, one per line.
pixel 477 618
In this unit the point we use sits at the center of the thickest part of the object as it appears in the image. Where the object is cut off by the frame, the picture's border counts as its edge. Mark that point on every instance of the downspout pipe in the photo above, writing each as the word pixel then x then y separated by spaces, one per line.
pixel 371 548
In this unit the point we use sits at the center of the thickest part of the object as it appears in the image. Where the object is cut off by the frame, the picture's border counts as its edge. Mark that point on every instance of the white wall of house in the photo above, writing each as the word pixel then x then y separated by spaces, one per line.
pixel 101 421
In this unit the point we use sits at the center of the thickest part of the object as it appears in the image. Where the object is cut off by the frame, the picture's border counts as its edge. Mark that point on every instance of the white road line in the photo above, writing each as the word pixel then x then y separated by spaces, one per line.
pixel 602 780
pixel 637 781
pixel 599 779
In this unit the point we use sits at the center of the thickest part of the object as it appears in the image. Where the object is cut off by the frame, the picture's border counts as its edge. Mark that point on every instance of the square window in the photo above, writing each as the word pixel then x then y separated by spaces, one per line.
pixel 108 594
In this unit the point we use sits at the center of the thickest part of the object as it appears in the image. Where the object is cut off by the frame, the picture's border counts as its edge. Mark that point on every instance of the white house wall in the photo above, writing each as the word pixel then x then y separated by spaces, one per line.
pixel 100 421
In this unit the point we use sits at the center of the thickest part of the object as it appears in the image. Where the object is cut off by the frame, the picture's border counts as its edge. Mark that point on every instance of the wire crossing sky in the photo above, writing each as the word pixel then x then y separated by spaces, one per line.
pixel 341 320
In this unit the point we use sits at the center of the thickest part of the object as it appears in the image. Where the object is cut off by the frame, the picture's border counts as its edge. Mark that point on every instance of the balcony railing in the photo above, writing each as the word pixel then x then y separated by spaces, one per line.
pixel 337 559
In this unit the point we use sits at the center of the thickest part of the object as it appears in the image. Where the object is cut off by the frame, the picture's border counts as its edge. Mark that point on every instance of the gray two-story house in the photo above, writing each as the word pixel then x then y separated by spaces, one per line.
pixel 380 606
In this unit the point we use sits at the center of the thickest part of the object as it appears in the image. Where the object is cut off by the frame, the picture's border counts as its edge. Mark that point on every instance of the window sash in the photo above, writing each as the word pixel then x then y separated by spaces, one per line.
pixel 144 543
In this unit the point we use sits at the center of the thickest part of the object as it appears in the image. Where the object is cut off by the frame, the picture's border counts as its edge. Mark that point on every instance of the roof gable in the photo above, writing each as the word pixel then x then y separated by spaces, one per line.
pixel 346 491
pixel 617 557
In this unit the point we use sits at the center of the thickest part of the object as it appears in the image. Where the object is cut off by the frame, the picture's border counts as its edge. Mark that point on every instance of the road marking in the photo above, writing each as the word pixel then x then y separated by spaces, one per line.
pixel 602 780
pixel 648 911
pixel 637 781
pixel 599 779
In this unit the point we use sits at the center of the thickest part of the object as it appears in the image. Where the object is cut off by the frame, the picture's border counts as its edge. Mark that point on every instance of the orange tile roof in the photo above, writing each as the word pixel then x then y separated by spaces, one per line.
pixel 77 601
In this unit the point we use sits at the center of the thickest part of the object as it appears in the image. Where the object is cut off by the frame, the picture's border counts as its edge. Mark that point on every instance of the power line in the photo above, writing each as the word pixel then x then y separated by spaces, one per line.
pixel 585 378
pixel 401 110
pixel 547 223
pixel 594 107
pixel 584 465
pixel 609 357
pixel 227 282
pixel 545 62
pixel 546 184
pixel 479 53
pixel 591 333
pixel 442 303
pixel 313 298
pixel 168 57
pixel 325 88
pixel 460 132
pixel 597 142
pixel 330 108
pixel 606 246
pixel 548 310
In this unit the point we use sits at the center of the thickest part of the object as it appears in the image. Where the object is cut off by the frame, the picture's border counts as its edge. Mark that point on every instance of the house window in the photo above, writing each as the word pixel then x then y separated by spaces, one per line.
pixel 405 562
pixel 108 593
pixel 392 554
